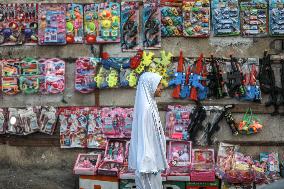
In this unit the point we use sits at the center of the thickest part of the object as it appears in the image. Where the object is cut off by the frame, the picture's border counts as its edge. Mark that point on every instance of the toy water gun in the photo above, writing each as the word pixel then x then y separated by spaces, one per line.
pixel 146 61
pixel 195 78
pixel 185 87
pixel 136 60
pixel 179 77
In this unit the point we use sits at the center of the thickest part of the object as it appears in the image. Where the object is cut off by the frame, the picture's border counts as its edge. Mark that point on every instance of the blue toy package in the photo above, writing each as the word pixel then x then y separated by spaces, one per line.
pixel 225 17
pixel 130 26
pixel 254 16
pixel 151 26
pixel 276 17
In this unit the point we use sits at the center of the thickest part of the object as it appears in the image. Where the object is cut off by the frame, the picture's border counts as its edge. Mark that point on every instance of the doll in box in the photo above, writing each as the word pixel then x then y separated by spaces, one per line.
pixel 171 123
pixel 184 156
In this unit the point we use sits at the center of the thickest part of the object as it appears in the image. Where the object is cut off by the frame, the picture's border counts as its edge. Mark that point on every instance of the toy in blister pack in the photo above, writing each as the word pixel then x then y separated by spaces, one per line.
pixel 109 168
pixel 127 123
pixel 96 138
pixel 179 157
pixel 85 74
pixel 53 84
pixel 47 119
pixel 115 151
pixel 52 24
pixel 11 67
pixel 271 164
pixel 254 18
pixel 110 121
pixel 74 23
pixel 151 26
pixel 54 66
pixel 18 24
pixel 29 84
pixel 177 120
pixel 14 123
pixel 2 121
pixel 91 23
pixel 29 66
pixel 87 164
pixel 10 85
pixel 203 162
pixel 109 23
pixel 100 78
pixel 225 17
pixel 130 26
pixel 196 15
pixel 276 17
pixel 171 14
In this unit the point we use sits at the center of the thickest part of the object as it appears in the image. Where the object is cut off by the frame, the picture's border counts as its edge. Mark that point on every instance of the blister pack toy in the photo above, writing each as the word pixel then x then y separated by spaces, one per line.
pixel 91 23
pixel 52 24
pixel 29 84
pixel 203 162
pixel 87 164
pixel 18 24
pixel 151 26
pixel 109 23
pixel 74 23
pixel 271 164
pixel 11 67
pixel 225 17
pixel 3 125
pixel 179 157
pixel 85 74
pixel 276 17
pixel 196 16
pixel 47 119
pixel 171 14
pixel 127 123
pixel 254 18
pixel 177 120
pixel 110 168
pixel 29 66
pixel 130 26
pixel 10 85
pixel 115 151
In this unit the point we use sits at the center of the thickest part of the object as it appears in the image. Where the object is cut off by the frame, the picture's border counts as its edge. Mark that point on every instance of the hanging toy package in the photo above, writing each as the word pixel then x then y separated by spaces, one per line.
pixel 130 26
pixel 196 15
pixel 18 24
pixel 91 23
pixel 225 17
pixel 151 26
pixel 52 24
pixel 171 14
pixel 85 74
pixel 2 121
pixel 109 23
pixel 276 17
pixel 47 119
pixel 14 123
pixel 28 119
pixel 74 23
pixel 11 70
pixel 29 84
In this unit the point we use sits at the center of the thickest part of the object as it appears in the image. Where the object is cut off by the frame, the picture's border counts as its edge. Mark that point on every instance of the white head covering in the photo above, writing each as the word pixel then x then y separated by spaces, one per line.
pixel 147 153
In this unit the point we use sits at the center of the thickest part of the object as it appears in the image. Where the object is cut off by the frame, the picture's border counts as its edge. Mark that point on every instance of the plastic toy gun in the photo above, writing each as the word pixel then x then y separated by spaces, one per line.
pixel 281 103
pixel 253 92
pixel 267 82
pixel 179 77
pixel 136 60
pixel 214 127
pixel 185 87
pixel 235 78
pixel 197 117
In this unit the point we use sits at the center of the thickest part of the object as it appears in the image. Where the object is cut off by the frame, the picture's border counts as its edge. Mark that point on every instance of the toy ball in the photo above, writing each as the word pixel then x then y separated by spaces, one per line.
pixel 70 39
pixel 106 23
pixel 91 39
pixel 92 27
pixel 28 32
pixel 69 26
pixel 7 32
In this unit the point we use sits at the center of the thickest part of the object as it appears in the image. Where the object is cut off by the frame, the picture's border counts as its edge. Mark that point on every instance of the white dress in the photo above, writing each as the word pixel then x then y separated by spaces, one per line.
pixel 147 152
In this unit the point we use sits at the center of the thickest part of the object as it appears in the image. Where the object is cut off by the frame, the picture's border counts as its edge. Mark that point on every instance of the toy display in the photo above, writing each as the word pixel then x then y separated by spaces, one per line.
pixel 10 85
pixel 254 18
pixel 179 158
pixel 225 17
pixel 47 119
pixel 91 23
pixel 151 26
pixel 130 26
pixel 74 23
pixel 196 16
pixel 87 164
pixel 85 74
pixel 203 163
pixel 108 23
pixel 171 14
pixel 18 24
pixel 276 15
pixel 177 121
pixel 2 121
pixel 52 24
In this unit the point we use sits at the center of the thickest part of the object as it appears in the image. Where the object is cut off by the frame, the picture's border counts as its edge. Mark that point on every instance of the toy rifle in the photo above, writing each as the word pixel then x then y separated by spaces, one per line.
pixel 235 78
pixel 179 77
pixel 282 84
pixel 195 79
pixel 216 79
pixel 197 117
pixel 267 83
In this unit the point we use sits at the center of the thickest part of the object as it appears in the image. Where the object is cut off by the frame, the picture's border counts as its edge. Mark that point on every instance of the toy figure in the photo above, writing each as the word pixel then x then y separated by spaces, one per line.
pixel 171 124
pixel 120 153
pixel 184 156
pixel 115 150
pixel 110 151
pixel 78 20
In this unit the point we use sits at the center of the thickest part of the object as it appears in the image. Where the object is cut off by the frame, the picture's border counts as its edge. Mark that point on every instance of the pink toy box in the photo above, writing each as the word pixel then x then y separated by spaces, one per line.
pixel 87 164
pixel 179 160
pixel 203 165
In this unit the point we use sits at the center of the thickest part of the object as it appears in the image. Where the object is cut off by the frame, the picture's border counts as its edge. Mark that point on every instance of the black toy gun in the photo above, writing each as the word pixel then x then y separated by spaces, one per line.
pixel 235 78
pixel 196 119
